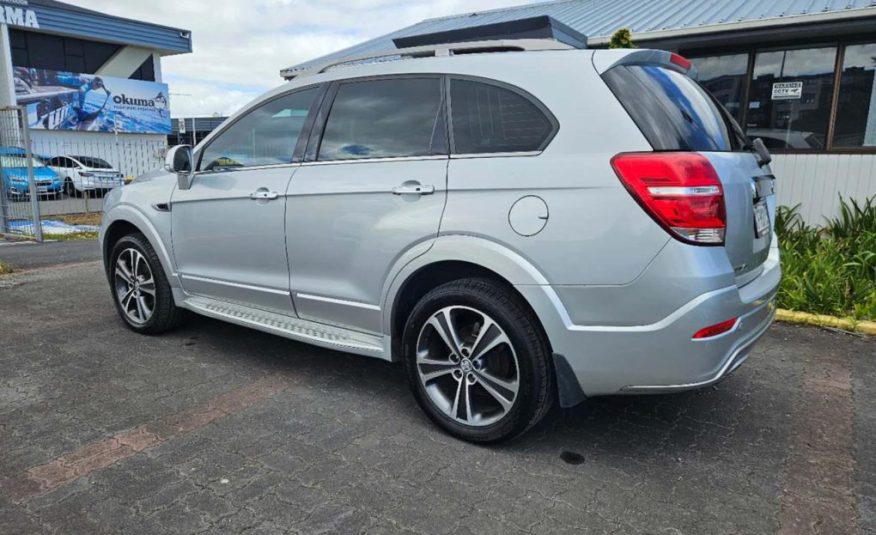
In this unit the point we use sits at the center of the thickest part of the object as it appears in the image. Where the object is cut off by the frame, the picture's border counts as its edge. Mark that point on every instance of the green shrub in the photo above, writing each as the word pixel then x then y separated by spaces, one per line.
pixel 622 38
pixel 830 270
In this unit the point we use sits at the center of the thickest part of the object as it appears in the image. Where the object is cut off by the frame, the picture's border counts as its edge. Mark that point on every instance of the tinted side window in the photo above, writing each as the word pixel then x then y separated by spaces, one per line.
pixel 385 119
pixel 265 136
pixel 488 118
pixel 671 110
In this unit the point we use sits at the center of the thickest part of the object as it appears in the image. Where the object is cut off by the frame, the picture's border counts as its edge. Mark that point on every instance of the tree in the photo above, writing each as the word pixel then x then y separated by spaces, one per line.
pixel 622 38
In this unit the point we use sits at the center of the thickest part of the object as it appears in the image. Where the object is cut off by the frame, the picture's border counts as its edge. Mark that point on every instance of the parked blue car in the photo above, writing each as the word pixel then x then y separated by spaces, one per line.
pixel 13 167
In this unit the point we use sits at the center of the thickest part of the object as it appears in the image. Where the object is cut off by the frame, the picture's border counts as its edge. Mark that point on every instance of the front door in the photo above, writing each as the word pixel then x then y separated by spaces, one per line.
pixel 375 191
pixel 228 228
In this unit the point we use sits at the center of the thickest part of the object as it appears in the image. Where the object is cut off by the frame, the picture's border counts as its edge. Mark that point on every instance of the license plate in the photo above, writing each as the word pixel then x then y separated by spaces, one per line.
pixel 42 189
pixel 761 219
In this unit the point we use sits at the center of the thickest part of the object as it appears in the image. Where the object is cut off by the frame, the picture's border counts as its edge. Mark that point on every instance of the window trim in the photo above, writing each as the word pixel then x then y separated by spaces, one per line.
pixel 297 150
pixel 314 143
pixel 752 51
pixel 555 124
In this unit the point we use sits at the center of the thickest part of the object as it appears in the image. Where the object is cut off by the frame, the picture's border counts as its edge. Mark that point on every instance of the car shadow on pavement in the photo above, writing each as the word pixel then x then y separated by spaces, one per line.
pixel 716 420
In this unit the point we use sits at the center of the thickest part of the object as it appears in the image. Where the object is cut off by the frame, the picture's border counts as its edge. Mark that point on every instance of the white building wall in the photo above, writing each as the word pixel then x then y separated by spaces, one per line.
pixel 815 181
pixel 132 154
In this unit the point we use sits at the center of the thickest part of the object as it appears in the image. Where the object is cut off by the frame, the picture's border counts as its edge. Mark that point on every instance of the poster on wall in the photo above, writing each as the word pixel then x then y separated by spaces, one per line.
pixel 58 100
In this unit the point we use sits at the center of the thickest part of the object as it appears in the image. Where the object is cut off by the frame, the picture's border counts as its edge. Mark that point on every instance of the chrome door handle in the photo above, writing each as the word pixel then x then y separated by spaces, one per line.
pixel 263 194
pixel 413 188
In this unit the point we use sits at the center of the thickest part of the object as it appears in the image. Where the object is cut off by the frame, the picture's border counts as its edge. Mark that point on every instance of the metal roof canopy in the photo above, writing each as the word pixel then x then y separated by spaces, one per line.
pixel 541 27
pixel 64 19
pixel 657 22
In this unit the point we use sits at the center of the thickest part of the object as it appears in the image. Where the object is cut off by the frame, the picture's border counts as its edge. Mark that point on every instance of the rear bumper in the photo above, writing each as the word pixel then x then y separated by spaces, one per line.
pixel 729 357
pixel 662 356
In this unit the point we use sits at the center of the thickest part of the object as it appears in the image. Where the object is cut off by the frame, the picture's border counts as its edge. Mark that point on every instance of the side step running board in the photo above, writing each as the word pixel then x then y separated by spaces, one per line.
pixel 310 332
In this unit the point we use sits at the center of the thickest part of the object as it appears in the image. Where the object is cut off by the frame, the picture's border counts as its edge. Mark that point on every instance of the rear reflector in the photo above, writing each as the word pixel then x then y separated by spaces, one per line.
pixel 715 330
pixel 679 190
pixel 681 61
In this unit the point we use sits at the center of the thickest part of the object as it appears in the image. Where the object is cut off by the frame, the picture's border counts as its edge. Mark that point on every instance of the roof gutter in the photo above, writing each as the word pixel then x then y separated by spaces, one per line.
pixel 772 22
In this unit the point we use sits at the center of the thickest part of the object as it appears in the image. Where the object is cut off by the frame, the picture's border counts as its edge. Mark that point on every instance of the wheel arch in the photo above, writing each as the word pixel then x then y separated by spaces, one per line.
pixel 451 258
pixel 124 220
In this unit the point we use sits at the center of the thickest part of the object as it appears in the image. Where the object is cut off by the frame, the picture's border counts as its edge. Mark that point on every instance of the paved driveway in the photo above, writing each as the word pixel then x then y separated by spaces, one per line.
pixel 215 428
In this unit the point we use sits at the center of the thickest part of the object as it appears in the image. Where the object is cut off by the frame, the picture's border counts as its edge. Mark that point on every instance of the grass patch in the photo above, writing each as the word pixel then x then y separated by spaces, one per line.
pixel 830 270
pixel 89 218
pixel 84 235
pixel 5 268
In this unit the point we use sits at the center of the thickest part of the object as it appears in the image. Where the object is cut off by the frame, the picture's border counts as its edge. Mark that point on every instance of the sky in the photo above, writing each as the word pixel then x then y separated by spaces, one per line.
pixel 239 46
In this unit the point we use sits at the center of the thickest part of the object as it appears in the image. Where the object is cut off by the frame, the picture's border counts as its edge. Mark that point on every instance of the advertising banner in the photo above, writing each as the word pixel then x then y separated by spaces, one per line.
pixel 58 100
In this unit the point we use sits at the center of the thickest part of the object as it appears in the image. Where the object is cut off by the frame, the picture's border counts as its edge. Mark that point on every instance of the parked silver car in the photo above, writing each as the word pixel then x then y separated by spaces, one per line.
pixel 515 226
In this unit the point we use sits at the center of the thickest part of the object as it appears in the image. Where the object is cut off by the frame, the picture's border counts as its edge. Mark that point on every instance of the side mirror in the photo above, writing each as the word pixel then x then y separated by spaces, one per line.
pixel 763 154
pixel 180 160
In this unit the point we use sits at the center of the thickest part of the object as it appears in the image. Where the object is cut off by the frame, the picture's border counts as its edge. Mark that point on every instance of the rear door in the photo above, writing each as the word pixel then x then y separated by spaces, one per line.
pixel 374 188
pixel 676 114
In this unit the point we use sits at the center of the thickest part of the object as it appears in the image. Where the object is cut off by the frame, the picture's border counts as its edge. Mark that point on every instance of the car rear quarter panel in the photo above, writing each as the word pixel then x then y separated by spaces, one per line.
pixel 595 234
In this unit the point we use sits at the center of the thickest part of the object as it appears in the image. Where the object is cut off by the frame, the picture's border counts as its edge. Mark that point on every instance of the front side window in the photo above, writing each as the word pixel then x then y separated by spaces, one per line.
pixel 724 77
pixel 265 136
pixel 488 118
pixel 856 109
pixel 385 119
pixel 791 96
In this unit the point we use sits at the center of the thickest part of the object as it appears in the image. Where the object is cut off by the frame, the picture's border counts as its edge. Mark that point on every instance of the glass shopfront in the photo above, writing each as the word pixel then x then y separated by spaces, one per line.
pixel 801 99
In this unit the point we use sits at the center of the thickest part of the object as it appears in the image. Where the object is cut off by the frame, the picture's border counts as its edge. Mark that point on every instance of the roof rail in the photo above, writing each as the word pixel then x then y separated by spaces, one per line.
pixel 445 49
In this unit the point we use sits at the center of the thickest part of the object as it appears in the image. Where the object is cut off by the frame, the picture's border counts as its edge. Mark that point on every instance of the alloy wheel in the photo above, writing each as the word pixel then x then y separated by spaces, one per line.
pixel 135 286
pixel 467 366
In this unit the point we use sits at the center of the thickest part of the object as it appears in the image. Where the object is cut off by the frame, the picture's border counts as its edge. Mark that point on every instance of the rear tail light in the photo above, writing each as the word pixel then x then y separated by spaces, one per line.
pixel 679 190
pixel 679 60
pixel 714 330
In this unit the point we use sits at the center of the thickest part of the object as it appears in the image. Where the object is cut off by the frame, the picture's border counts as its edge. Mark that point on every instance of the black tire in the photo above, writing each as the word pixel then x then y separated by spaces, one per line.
pixel 535 374
pixel 165 314
pixel 70 189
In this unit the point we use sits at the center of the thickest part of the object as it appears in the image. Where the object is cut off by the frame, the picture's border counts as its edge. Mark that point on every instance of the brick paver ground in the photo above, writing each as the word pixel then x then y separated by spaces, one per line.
pixel 215 428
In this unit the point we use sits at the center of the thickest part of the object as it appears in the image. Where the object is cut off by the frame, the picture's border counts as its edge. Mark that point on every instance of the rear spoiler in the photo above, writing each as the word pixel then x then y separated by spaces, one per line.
pixel 604 60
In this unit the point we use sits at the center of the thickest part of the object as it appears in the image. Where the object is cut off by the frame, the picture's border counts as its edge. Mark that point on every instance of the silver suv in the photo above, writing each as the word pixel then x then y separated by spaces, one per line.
pixel 514 225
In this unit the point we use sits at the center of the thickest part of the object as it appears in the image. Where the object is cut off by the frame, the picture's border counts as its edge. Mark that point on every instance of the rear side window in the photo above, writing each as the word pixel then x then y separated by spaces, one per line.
pixel 672 111
pixel 489 118
pixel 385 119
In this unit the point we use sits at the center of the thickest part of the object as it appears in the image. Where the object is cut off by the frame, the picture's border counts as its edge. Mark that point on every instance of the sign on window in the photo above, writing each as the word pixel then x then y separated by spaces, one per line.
pixel 787 91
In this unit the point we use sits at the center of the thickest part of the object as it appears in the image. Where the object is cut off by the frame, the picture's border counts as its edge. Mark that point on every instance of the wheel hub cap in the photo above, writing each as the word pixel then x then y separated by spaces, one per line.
pixel 467 365
pixel 134 286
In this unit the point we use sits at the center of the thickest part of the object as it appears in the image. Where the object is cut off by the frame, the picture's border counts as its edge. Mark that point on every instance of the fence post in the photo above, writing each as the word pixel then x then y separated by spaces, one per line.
pixel 4 208
pixel 34 194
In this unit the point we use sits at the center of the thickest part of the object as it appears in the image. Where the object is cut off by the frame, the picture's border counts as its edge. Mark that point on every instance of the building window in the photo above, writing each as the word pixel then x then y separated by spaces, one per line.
pixel 856 107
pixel 725 78
pixel 56 53
pixel 791 97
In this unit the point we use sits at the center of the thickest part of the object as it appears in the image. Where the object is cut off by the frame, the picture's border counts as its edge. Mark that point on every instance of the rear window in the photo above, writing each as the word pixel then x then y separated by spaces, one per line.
pixel 672 110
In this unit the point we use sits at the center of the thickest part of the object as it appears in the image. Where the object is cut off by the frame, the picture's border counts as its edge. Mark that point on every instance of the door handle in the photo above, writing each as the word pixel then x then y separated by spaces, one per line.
pixel 413 188
pixel 262 194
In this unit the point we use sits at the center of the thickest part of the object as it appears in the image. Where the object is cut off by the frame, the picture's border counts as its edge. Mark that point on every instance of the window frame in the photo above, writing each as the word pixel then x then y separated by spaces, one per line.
pixel 555 124
pixel 300 144
pixel 314 143
pixel 752 51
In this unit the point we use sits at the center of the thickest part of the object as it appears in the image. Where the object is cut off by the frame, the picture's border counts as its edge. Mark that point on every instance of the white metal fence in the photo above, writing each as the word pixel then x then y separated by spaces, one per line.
pixel 48 175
